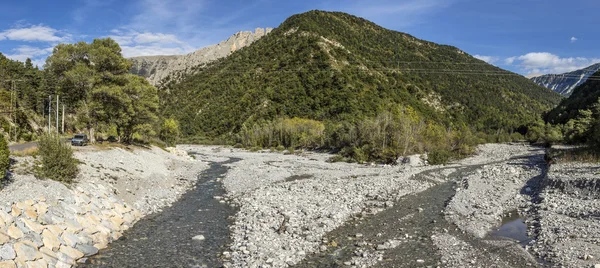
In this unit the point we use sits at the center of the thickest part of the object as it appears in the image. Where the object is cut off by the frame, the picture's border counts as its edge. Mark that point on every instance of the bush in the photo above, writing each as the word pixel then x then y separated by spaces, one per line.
pixel 4 158
pixel 169 131
pixel 439 157
pixel 56 160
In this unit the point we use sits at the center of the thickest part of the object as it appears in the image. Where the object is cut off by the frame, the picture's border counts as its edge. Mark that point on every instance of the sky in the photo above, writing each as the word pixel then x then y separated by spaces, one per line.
pixel 529 37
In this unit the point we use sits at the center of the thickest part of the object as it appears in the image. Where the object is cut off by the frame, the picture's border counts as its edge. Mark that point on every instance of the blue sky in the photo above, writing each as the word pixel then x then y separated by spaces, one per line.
pixel 524 36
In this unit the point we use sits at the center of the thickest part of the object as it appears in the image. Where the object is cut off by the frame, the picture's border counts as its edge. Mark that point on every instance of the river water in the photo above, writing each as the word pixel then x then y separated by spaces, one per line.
pixel 165 239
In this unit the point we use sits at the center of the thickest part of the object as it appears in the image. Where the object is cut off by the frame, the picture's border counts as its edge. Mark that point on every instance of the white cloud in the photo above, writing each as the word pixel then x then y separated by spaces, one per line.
pixel 36 54
pixel 147 38
pixel 35 33
pixel 544 63
pixel 135 44
pixel 152 50
pixel 510 61
pixel 574 39
pixel 488 59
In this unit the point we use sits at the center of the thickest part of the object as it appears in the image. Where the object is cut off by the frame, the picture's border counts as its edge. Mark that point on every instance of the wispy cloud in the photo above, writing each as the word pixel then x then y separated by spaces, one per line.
pixel 35 33
pixel 574 39
pixel 24 52
pixel 135 44
pixel 545 63
pixel 488 59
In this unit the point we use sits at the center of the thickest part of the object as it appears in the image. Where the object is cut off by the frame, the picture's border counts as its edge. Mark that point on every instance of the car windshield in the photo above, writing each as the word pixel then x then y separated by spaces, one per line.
pixel 79 137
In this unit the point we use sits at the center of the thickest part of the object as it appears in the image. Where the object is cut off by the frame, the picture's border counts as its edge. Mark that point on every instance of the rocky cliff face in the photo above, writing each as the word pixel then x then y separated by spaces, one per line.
pixel 156 68
pixel 567 82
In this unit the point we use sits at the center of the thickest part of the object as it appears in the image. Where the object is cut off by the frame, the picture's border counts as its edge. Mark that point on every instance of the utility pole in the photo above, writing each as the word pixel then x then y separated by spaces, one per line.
pixel 57 108
pixel 49 113
pixel 63 120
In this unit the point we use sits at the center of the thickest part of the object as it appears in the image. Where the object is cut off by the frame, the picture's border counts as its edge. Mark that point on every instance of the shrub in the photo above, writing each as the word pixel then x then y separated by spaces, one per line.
pixel 439 157
pixel 56 160
pixel 169 131
pixel 4 158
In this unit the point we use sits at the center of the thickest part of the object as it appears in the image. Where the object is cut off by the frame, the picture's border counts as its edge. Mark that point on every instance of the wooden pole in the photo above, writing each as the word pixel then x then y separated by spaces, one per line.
pixel 49 113
pixel 63 120
pixel 57 109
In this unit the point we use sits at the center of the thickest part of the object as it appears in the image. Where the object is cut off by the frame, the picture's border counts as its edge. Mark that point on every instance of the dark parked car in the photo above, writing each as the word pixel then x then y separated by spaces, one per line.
pixel 79 140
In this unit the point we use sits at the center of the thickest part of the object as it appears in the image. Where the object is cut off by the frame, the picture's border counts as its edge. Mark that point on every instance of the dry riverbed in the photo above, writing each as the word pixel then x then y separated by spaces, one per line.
pixel 299 210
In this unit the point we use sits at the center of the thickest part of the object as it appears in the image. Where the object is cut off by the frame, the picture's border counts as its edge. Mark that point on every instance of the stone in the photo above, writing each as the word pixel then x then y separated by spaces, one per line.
pixel 41 263
pixel 70 239
pixel 31 213
pixel 597 266
pixel 121 209
pixel 35 238
pixel 128 218
pixel 15 211
pixel 5 217
pixel 33 226
pixel 41 207
pixel 73 226
pixel 48 254
pixel 27 251
pixel 50 240
pixel 4 239
pixel 56 230
pixel 71 252
pixel 116 235
pixel 198 238
pixel 8 264
pixel 7 252
pixel 14 232
pixel 87 250
pixel 64 260
pixel 116 221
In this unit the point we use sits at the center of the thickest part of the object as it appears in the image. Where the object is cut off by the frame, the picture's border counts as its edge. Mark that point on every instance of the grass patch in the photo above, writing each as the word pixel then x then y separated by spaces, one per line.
pixel 34 151
pixel 567 155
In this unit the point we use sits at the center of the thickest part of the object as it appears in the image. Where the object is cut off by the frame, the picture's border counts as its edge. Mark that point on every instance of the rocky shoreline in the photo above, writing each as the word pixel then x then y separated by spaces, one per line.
pixel 47 224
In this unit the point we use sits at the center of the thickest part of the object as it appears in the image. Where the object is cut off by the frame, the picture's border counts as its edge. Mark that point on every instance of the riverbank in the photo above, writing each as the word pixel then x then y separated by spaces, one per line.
pixel 44 222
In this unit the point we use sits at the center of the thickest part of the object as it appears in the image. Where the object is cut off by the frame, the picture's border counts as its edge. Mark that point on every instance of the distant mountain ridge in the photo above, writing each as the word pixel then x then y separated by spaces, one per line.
pixel 564 84
pixel 157 68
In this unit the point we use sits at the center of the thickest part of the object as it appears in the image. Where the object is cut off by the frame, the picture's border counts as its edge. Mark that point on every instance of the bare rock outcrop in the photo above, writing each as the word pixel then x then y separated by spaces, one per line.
pixel 157 68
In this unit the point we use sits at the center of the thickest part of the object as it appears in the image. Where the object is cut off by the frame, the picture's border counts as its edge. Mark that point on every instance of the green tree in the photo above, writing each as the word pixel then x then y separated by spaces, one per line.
pixel 169 131
pixel 131 106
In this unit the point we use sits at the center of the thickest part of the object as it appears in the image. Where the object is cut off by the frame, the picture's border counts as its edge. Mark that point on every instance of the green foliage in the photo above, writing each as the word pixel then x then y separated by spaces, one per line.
pixel 169 131
pixel 4 158
pixel 285 132
pixel 56 160
pixel 339 69
pixel 439 157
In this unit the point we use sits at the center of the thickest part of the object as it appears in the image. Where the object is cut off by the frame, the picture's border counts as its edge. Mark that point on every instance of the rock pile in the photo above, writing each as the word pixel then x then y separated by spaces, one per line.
pixel 34 233
pixel 566 219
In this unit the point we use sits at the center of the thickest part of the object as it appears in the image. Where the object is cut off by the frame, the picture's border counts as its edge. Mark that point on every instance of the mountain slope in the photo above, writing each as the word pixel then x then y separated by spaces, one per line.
pixel 564 84
pixel 338 67
pixel 583 98
pixel 156 68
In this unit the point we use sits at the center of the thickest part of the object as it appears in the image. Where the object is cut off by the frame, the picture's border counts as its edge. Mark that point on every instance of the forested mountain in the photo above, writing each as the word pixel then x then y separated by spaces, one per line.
pixel 583 98
pixel 564 84
pixel 332 66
